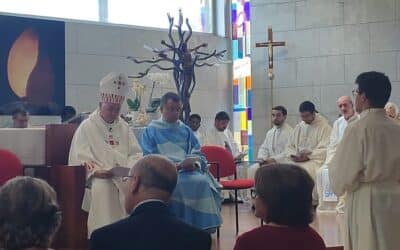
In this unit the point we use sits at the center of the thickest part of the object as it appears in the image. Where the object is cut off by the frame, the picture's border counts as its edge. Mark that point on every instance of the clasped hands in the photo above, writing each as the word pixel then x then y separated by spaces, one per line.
pixel 301 156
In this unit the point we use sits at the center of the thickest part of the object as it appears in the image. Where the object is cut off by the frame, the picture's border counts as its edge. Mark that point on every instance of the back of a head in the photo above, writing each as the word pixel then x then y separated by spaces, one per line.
pixel 67 113
pixel 29 213
pixel 222 116
pixel 157 173
pixel 286 191
pixel 19 111
pixel 307 106
pixel 376 86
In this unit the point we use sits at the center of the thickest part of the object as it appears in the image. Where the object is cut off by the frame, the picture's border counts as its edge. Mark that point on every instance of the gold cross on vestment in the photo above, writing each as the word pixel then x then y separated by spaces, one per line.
pixel 270 44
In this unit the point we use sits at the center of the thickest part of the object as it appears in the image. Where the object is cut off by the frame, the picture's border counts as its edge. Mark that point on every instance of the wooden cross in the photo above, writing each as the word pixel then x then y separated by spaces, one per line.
pixel 270 44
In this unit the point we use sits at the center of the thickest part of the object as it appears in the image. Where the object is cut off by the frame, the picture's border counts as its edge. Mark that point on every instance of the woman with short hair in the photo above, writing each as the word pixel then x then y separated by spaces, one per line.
pixel 284 201
pixel 29 214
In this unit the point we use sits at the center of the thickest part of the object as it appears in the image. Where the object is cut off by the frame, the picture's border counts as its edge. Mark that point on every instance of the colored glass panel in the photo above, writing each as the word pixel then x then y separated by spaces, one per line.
pixel 242 93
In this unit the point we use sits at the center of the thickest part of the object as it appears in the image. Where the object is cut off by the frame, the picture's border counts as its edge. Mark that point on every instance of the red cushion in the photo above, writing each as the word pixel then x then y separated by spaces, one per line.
pixel 10 166
pixel 237 184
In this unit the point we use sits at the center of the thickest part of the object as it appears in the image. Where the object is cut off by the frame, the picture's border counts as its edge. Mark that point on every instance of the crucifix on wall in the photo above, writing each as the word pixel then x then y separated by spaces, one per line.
pixel 270 44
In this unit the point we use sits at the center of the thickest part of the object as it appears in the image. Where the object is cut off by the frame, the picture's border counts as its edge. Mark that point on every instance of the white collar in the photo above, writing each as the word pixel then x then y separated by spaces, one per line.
pixel 146 201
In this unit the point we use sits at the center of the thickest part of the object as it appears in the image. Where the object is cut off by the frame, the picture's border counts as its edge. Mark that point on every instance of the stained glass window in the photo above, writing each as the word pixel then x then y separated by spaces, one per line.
pixel 242 93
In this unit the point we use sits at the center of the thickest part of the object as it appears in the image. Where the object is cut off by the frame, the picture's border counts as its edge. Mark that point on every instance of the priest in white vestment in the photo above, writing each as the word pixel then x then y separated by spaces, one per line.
pixel 308 142
pixel 220 135
pixel 275 141
pixel 367 167
pixel 348 115
pixel 102 142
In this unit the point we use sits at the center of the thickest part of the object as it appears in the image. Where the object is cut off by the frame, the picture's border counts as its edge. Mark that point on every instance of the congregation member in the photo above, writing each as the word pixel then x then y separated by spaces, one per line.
pixel 392 110
pixel 104 141
pixel 196 199
pixel 348 115
pixel 29 214
pixel 366 166
pixel 308 141
pixel 284 201
pixel 275 140
pixel 20 118
pixel 194 124
pixel 67 114
pixel 151 225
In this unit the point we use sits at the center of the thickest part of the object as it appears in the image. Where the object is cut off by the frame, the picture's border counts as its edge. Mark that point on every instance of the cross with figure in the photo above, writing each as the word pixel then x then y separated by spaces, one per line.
pixel 270 44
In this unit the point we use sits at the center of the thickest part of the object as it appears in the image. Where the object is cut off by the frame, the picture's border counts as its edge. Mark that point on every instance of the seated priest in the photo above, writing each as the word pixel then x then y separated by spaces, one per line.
pixel 221 135
pixel 196 199
pixel 308 142
pixel 275 140
pixel 348 115
pixel 102 142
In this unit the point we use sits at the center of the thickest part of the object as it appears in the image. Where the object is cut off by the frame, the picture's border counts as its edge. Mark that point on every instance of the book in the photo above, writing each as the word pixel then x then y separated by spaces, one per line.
pixel 119 171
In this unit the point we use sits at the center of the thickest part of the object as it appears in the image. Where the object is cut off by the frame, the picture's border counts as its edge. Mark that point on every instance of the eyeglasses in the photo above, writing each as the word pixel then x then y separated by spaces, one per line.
pixel 254 194
pixel 126 178
pixel 355 92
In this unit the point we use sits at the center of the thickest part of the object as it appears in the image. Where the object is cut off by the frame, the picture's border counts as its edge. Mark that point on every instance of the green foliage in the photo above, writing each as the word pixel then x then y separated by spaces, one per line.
pixel 133 105
pixel 153 105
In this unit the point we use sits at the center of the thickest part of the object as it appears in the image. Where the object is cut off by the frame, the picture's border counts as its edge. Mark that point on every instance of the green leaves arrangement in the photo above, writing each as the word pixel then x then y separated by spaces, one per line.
pixel 133 104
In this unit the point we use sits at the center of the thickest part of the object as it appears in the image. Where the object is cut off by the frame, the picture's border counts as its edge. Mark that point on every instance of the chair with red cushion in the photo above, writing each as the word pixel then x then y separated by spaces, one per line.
pixel 10 166
pixel 222 164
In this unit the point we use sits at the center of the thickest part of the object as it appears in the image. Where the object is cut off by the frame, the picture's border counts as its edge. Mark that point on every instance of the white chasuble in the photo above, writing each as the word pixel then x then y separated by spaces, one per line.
pixel 274 146
pixel 108 146
pixel 313 138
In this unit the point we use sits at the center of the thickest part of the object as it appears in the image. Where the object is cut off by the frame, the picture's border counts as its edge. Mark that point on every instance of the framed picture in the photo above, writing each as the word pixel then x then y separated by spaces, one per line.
pixel 32 65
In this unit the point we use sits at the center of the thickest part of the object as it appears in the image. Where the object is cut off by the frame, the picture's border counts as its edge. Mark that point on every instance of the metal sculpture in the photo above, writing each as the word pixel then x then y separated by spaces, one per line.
pixel 182 61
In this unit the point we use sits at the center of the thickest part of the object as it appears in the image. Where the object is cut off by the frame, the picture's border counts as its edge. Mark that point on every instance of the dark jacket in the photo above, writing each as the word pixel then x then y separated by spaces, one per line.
pixel 150 227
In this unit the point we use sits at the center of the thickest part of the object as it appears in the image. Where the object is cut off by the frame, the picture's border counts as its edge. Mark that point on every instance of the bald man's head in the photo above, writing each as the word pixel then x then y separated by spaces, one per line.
pixel 156 172
pixel 345 105
pixel 152 177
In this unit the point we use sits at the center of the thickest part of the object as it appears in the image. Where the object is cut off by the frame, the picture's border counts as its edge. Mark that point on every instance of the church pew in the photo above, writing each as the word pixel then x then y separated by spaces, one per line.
pixel 334 248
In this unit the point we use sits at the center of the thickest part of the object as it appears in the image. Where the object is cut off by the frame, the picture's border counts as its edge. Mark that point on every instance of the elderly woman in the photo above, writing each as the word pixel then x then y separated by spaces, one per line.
pixel 29 214
pixel 392 110
pixel 284 202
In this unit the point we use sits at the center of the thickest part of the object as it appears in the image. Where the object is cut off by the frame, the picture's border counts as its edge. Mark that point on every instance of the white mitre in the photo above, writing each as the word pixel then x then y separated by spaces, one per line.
pixel 113 88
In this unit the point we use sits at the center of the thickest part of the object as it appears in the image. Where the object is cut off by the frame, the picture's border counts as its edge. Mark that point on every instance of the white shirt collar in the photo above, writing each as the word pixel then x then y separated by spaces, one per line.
pixel 145 201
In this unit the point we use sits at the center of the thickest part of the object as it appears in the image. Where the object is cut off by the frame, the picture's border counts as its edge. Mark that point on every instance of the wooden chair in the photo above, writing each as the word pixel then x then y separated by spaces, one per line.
pixel 69 183
pixel 223 165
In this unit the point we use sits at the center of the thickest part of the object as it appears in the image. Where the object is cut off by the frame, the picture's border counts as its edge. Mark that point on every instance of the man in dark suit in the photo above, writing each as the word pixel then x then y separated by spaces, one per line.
pixel 150 226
